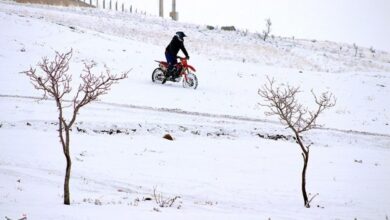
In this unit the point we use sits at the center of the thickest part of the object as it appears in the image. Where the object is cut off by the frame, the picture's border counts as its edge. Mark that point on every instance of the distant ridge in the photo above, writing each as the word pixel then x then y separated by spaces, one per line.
pixel 56 2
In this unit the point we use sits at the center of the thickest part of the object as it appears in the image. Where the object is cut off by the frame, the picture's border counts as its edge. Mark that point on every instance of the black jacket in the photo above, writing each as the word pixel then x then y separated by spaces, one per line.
pixel 174 47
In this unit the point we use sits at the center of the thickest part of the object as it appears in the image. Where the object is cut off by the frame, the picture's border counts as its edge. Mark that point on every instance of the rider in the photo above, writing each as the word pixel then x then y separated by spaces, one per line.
pixel 171 51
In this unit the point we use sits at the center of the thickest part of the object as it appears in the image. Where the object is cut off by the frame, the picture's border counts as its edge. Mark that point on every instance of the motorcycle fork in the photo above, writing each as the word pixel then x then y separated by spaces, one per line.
pixel 183 72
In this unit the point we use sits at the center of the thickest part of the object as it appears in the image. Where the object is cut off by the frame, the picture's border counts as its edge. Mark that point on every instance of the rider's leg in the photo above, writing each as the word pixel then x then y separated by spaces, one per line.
pixel 171 59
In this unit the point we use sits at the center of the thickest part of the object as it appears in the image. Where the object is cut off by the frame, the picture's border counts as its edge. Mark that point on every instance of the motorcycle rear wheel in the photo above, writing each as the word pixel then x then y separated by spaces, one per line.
pixel 191 82
pixel 158 75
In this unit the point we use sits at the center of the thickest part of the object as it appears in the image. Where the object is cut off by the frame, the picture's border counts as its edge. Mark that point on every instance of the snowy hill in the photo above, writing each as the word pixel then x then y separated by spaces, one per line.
pixel 218 164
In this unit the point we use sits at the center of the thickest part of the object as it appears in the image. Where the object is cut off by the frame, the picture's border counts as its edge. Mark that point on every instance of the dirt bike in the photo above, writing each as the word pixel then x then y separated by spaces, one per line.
pixel 182 71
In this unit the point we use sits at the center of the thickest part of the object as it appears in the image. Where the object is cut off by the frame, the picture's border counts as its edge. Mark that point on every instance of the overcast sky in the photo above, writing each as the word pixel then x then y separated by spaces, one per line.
pixel 364 22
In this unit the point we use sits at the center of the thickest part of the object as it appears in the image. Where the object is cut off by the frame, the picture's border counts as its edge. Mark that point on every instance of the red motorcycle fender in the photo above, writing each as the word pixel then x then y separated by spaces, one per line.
pixel 162 63
pixel 191 68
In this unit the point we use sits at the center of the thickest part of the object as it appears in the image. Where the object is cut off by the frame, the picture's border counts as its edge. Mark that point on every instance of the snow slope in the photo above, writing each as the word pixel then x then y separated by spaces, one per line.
pixel 218 164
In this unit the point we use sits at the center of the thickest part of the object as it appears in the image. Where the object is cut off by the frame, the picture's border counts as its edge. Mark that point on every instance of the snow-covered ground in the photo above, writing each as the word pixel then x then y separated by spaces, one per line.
pixel 217 164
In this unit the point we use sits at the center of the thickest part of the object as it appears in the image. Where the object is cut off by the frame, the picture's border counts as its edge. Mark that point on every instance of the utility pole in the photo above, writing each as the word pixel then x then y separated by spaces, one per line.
pixel 161 13
pixel 174 14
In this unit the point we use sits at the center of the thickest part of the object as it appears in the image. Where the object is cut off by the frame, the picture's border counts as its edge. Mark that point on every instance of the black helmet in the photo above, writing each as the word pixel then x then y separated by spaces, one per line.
pixel 181 35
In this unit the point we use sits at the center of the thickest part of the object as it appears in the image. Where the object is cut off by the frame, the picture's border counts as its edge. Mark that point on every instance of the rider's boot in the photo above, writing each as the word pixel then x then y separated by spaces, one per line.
pixel 166 76
pixel 170 73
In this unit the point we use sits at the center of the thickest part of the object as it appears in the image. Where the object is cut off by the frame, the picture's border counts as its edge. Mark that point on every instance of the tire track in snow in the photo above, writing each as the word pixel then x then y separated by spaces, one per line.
pixel 202 114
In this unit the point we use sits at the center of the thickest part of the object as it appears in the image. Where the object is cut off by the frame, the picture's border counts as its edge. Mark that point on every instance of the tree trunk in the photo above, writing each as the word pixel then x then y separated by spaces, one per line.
pixel 305 162
pixel 67 178
pixel 305 155
pixel 68 166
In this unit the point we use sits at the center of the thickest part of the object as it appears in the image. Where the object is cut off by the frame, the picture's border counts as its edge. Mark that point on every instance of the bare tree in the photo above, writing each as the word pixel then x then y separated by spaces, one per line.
pixel 282 102
pixel 356 48
pixel 55 82
pixel 267 31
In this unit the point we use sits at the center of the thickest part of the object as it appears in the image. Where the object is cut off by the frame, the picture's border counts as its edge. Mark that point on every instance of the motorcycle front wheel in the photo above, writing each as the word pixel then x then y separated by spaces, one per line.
pixel 158 75
pixel 191 81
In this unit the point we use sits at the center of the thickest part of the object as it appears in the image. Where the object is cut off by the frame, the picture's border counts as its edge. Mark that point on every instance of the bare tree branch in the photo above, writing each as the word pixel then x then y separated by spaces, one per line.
pixel 163 202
